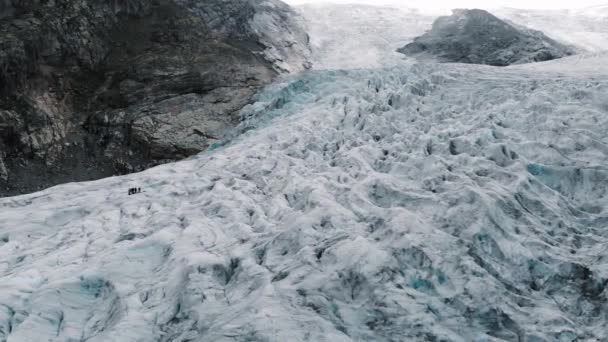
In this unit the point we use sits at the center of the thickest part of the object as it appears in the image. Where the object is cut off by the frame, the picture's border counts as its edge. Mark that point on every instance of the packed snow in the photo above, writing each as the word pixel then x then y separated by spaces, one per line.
pixel 585 28
pixel 583 65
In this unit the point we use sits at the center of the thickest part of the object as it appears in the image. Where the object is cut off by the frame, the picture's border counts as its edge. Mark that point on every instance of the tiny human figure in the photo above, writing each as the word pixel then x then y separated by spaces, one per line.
pixel 133 191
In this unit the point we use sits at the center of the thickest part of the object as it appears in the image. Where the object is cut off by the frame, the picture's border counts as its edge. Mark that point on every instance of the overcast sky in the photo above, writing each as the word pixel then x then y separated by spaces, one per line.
pixel 536 4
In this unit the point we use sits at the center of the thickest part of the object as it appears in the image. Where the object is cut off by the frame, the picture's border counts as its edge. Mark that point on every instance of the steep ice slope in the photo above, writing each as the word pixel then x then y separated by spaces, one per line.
pixel 360 36
pixel 420 203
pixel 584 28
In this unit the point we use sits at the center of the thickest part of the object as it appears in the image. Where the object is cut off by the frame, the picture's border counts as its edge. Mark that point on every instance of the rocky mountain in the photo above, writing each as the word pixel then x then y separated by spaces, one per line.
pixel 478 37
pixel 92 88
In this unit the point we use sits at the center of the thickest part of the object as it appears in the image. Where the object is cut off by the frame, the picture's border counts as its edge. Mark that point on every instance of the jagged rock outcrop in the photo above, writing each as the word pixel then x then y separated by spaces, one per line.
pixel 478 37
pixel 93 88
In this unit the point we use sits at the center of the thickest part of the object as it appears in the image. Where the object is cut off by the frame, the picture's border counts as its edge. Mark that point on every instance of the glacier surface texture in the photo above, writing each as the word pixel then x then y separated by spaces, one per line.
pixel 419 202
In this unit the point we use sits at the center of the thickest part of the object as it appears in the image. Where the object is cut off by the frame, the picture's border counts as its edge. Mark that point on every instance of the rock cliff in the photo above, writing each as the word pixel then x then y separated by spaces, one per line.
pixel 94 88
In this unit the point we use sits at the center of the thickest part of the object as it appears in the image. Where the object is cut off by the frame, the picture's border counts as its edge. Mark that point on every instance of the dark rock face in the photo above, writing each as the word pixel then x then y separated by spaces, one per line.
pixel 94 88
pixel 478 37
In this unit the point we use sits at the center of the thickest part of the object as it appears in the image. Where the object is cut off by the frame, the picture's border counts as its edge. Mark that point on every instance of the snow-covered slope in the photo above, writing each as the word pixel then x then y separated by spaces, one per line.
pixel 414 203
pixel 585 28
pixel 587 64
pixel 359 36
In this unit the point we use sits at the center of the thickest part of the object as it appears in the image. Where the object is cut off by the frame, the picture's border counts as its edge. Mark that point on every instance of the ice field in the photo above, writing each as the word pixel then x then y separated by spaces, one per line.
pixel 415 203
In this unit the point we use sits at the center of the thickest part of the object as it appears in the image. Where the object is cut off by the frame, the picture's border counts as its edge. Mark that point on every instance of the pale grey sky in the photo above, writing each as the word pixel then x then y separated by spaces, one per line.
pixel 531 4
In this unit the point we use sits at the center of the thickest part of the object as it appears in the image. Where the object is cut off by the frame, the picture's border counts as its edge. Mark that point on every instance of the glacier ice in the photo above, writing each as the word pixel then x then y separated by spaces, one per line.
pixel 419 202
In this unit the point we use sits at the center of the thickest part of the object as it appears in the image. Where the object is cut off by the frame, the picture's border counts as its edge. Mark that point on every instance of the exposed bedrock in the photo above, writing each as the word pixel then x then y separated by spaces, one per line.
pixel 92 88
pixel 478 37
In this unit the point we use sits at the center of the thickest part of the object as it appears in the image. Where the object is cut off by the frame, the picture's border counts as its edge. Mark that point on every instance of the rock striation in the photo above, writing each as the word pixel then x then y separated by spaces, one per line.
pixel 478 37
pixel 92 88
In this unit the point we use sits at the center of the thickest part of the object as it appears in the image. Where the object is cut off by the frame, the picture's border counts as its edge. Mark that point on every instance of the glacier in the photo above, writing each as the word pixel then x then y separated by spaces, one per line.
pixel 418 202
